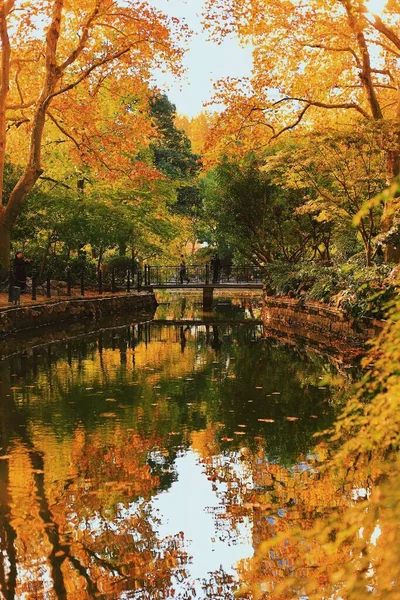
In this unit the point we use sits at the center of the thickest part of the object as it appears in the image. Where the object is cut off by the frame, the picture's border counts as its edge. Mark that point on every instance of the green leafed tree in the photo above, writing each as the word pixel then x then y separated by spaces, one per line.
pixel 256 219
pixel 173 156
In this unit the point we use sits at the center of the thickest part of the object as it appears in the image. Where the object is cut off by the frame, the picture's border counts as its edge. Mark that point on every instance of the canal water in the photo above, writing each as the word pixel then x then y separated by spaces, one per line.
pixel 149 460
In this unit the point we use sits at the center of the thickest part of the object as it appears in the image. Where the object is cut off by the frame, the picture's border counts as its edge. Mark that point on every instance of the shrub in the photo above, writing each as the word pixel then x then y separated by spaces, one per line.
pixel 358 290
pixel 121 264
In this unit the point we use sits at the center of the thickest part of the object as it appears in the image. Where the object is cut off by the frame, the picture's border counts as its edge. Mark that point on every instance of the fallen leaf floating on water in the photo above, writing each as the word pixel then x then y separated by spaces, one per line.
pixel 259 387
pixel 242 425
pixel 239 432
pixel 267 420
pixel 174 433
pixel 107 415
pixel 314 417
pixel 111 400
pixel 231 376
pixel 292 418
pixel 276 393
pixel 15 387
pixel 227 439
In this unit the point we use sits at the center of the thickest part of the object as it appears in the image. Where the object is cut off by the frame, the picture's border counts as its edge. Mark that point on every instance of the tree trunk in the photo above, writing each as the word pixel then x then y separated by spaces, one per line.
pixel 5 246
pixel 368 253
pixel 44 259
pixel 392 254
pixel 100 258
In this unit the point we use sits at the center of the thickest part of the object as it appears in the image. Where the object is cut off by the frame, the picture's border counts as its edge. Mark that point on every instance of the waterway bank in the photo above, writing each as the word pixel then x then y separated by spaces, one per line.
pixel 21 318
pixel 317 324
pixel 310 324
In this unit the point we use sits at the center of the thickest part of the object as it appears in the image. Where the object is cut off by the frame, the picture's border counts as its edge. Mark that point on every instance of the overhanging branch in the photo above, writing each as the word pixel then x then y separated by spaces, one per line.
pixel 344 105
pixel 62 129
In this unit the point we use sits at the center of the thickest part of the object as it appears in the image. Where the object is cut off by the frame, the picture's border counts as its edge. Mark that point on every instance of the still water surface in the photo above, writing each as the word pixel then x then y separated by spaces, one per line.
pixel 149 461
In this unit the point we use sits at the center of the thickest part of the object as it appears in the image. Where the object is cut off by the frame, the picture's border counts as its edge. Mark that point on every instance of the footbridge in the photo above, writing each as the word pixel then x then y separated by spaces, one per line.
pixel 204 277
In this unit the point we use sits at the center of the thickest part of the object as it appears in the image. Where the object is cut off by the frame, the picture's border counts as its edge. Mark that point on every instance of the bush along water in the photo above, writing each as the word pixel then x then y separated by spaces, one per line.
pixel 358 291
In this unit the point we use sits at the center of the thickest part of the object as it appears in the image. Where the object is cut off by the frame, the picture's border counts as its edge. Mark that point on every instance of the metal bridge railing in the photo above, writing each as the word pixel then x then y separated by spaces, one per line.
pixel 201 274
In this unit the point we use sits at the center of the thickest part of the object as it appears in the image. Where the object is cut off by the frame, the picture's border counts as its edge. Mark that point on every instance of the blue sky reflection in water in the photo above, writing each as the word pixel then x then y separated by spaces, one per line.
pixel 147 461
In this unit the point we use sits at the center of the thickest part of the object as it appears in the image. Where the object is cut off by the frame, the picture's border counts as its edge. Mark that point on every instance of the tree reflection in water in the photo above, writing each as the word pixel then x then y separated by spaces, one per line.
pixel 92 436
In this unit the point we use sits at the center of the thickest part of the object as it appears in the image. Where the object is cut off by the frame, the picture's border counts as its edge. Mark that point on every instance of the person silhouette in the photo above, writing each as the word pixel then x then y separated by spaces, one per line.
pixel 183 271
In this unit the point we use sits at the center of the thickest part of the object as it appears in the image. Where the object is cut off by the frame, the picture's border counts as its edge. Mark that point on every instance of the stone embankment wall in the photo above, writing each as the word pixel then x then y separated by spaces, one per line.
pixel 27 317
pixel 316 323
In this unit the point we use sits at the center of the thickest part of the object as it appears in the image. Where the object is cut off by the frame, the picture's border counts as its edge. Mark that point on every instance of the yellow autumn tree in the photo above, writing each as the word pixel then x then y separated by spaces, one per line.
pixel 57 59
pixel 197 129
pixel 311 59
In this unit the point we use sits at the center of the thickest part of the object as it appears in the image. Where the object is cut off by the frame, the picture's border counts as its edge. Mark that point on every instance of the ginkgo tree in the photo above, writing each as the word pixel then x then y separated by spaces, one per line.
pixel 312 59
pixel 80 69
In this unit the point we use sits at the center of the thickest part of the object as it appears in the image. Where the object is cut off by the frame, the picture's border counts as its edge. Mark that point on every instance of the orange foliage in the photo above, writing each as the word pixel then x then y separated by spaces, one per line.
pixel 78 73
pixel 311 59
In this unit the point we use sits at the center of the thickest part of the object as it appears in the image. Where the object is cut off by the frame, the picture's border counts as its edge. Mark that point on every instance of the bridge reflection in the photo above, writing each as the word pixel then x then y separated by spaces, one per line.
pixel 208 333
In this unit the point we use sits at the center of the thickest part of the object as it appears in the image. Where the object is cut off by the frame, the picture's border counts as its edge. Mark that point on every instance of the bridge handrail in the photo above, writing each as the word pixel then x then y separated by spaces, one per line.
pixel 197 273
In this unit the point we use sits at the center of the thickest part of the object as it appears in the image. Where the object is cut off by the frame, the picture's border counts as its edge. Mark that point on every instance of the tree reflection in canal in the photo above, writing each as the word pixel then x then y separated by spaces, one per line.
pixel 146 461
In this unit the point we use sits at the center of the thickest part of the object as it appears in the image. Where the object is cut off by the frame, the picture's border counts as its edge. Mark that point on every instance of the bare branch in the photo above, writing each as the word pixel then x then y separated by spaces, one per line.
pixel 383 72
pixel 85 35
pixel 365 74
pixel 385 30
pixel 384 46
pixel 63 131
pixel 89 70
pixel 17 122
pixel 296 122
pixel 20 106
pixel 332 49
pixel 244 126
pixel 65 185
pixel 345 105
pixel 21 97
